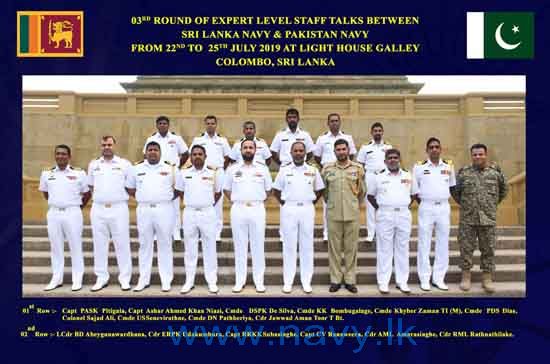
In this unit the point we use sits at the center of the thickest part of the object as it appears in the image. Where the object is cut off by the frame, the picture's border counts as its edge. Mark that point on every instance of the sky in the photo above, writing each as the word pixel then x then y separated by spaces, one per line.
pixel 433 85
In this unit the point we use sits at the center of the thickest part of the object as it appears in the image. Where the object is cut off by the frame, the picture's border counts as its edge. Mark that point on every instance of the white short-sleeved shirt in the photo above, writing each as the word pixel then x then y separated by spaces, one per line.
pixel 172 146
pixel 262 151
pixel 64 187
pixel 324 147
pixel 298 183
pixel 108 178
pixel 372 156
pixel 392 190
pixel 247 182
pixel 217 148
pixel 285 138
pixel 433 181
pixel 199 185
pixel 153 183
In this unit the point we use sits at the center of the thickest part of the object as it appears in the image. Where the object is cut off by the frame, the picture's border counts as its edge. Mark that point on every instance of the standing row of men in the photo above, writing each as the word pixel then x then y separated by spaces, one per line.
pixel 157 184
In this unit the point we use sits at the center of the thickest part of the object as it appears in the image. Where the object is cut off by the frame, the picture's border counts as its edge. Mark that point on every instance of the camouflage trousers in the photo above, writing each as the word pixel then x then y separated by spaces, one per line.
pixel 468 236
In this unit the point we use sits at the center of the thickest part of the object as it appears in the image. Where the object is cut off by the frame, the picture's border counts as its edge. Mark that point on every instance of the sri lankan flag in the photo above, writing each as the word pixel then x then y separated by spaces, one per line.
pixel 50 33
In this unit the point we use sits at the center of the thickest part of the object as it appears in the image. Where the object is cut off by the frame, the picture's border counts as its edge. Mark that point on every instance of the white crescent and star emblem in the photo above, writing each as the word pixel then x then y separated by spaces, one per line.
pixel 501 42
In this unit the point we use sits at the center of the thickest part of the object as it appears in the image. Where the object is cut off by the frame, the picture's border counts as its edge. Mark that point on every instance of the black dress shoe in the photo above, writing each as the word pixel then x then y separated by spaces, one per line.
pixel 334 287
pixel 351 287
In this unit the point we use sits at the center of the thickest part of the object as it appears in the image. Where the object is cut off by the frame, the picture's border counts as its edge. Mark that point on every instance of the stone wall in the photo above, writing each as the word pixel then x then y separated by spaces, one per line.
pixel 79 120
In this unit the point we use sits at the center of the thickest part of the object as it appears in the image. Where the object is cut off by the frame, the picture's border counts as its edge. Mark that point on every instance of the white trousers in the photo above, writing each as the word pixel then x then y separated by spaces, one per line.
pixel 297 223
pixel 393 231
pixel 248 224
pixel 219 211
pixel 371 211
pixel 155 219
pixel 433 215
pixel 65 224
pixel 111 221
pixel 197 223
pixel 177 225
pixel 325 224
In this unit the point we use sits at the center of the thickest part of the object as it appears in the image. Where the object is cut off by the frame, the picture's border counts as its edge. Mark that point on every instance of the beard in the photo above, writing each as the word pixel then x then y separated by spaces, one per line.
pixel 248 158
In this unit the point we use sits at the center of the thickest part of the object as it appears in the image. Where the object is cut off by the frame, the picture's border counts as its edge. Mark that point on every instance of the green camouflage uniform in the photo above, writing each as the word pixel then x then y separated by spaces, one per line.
pixel 478 192
pixel 345 187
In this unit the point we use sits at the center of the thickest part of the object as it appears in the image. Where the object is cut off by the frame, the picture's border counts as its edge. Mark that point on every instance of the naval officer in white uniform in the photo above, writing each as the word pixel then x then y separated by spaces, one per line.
pixel 247 185
pixel 152 182
pixel 109 214
pixel 66 190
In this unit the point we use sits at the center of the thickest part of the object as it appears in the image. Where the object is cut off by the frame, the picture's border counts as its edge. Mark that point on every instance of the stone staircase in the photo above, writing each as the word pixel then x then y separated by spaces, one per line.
pixel 510 268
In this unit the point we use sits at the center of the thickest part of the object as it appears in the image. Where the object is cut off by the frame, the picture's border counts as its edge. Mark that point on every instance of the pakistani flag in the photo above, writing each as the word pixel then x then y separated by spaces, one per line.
pixel 500 35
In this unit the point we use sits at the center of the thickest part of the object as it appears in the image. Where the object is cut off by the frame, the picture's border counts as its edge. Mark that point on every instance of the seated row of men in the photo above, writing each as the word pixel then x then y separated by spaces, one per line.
pixel 157 184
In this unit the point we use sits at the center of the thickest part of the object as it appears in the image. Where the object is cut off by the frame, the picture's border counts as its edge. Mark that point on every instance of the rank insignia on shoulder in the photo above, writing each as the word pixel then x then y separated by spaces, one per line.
pixel 135 164
pixel 448 161
pixel 212 168
pixel 422 162
pixel 170 164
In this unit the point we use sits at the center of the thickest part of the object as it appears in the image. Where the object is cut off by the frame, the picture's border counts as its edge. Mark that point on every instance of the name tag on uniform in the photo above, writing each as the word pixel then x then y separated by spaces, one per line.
pixel 427 172
pixel 309 174
pixel 284 140
pixel 370 151
pixel 51 179
pixel 300 139
pixel 218 143
pixel 72 178
pixel 289 175
pixel 188 177
pixel 163 173
pixel 117 169
pixel 97 169
pixel 141 174
pixel 172 142
pixel 406 181
pixel 207 178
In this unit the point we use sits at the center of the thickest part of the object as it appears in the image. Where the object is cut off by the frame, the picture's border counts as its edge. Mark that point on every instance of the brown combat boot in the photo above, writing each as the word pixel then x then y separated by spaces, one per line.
pixel 487 282
pixel 466 282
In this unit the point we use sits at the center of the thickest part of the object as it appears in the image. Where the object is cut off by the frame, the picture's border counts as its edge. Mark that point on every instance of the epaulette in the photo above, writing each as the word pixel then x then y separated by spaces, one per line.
pixel 186 166
pixel 242 139
pixel 170 164
pixel 380 171
pixel 286 164
pixel 495 167
pixel 135 164
pixel 260 162
pixel 212 168
pixel 50 169
pixel 448 161
pixel 261 140
pixel 153 133
pixel 404 169
pixel 313 164
pixel 422 162
pixel 171 132
pixel 75 168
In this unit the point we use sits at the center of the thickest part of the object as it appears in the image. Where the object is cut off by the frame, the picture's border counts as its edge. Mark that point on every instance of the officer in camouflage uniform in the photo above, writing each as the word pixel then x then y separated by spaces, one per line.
pixel 479 189
pixel 345 189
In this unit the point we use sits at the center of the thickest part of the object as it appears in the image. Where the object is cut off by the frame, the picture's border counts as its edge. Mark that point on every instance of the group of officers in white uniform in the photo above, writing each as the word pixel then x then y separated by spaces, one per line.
pixel 162 179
